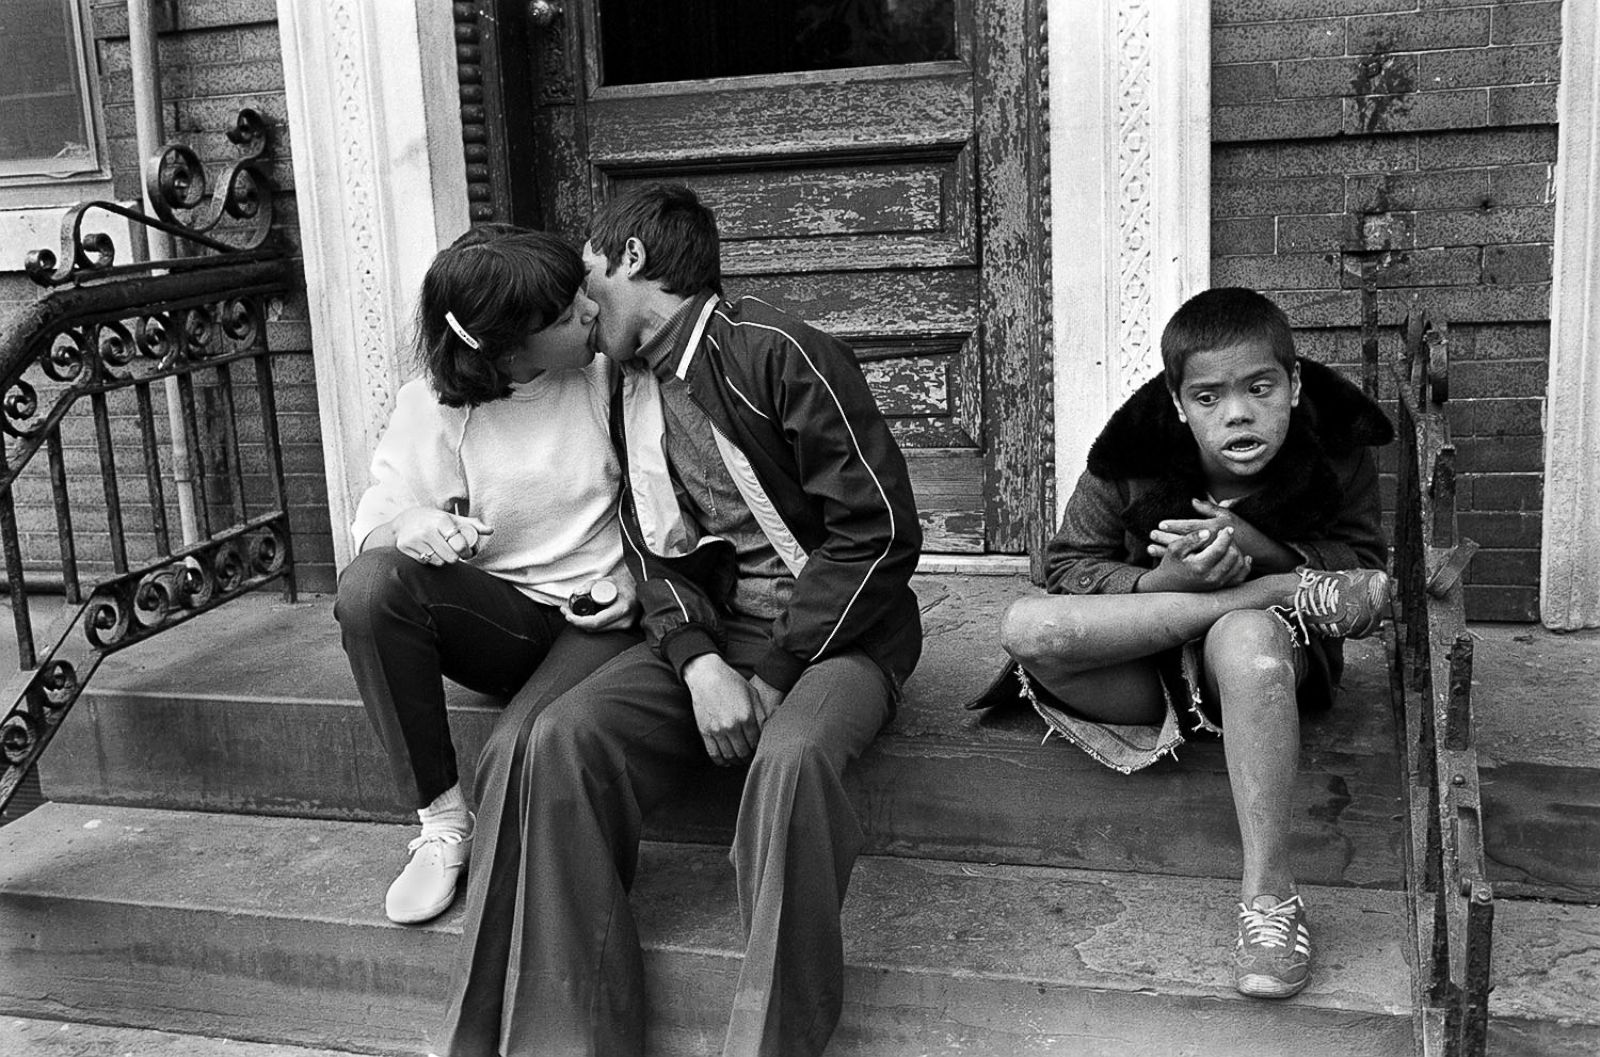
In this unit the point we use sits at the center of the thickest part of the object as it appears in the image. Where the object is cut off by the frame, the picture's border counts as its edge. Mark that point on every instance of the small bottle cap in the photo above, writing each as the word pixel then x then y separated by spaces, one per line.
pixel 604 592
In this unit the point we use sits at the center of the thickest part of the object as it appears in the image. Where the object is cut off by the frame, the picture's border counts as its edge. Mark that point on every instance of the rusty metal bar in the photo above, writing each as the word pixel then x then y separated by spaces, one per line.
pixel 152 467
pixel 1369 332
pixel 232 452
pixel 191 431
pixel 108 477
pixel 274 447
pixel 27 656
pixel 63 504
pixel 1458 710
pixel 1442 496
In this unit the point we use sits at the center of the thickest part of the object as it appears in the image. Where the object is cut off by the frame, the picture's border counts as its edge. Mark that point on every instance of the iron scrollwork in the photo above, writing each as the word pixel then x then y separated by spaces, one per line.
pixel 185 204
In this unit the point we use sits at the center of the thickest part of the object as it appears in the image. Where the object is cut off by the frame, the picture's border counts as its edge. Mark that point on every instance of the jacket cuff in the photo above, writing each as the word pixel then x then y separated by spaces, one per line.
pixel 684 646
pixel 780 669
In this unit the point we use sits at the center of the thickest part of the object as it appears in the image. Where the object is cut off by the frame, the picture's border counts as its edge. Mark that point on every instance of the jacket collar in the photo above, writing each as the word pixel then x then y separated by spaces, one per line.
pixel 1300 491
pixel 668 353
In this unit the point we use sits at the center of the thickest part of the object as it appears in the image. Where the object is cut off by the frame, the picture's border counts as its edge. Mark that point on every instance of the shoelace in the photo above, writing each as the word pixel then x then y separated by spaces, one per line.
pixel 449 836
pixel 1268 928
pixel 1318 595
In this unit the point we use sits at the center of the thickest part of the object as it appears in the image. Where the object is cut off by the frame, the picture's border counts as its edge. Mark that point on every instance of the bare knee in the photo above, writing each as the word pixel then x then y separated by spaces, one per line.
pixel 1251 643
pixel 1032 630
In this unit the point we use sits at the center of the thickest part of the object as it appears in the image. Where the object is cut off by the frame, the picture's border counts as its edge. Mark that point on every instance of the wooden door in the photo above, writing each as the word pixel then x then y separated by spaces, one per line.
pixel 875 169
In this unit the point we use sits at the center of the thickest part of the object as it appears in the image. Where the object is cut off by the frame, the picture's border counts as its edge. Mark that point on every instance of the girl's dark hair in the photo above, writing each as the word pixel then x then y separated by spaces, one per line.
pixel 501 283
pixel 679 233
pixel 1217 318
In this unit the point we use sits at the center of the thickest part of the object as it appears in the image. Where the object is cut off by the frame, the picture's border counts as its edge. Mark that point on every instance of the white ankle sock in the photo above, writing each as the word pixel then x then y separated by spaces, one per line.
pixel 447 815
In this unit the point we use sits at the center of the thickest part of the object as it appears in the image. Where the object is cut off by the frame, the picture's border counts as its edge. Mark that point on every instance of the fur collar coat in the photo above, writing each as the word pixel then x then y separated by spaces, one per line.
pixel 1319 493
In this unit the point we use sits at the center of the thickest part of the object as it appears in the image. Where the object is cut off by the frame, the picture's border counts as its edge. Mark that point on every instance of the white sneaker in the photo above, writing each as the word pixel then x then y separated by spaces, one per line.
pixel 427 886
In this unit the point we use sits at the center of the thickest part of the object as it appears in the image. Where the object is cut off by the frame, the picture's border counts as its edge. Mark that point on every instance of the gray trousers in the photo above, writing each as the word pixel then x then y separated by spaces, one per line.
pixel 550 960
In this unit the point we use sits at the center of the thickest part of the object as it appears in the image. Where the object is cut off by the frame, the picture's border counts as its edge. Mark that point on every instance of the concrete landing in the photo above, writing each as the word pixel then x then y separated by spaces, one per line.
pixel 218 925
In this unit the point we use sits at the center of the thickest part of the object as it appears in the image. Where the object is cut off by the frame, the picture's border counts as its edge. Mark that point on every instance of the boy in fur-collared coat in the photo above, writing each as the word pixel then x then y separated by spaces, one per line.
pixel 1224 539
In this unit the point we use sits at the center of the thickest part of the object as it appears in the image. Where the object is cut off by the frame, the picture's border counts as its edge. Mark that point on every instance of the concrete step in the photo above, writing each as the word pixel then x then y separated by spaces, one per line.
pixel 270 929
pixel 253 710
pixel 31 1037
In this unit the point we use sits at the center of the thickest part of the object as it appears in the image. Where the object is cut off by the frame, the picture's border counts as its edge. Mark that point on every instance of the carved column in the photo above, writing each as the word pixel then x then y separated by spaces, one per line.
pixel 1569 589
pixel 1130 161
pixel 374 112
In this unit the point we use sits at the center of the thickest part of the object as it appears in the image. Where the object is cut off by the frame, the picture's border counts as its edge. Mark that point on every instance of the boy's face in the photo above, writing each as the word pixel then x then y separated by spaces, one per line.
pixel 1236 401
pixel 616 296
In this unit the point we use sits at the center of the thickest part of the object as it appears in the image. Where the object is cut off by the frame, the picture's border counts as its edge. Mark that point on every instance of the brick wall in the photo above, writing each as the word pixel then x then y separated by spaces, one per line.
pixel 1415 138
pixel 216 57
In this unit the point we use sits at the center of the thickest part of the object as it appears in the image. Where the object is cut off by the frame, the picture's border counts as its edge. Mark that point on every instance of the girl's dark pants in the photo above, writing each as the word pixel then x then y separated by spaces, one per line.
pixel 550 958
pixel 406 625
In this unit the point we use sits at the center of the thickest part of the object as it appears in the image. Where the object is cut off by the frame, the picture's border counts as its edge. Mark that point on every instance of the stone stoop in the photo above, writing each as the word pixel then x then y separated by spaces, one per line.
pixel 255 712
pixel 227 846
pixel 267 929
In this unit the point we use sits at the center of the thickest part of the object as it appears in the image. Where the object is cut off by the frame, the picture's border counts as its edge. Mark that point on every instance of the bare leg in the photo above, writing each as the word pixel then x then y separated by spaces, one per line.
pixel 1249 664
pixel 1091 650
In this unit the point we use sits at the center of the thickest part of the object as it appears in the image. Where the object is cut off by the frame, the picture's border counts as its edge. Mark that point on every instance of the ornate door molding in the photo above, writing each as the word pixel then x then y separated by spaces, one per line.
pixel 373 107
pixel 1569 578
pixel 1130 98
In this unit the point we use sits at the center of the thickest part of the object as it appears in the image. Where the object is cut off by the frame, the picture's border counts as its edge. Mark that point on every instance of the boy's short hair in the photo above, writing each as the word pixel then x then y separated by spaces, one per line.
pixel 1217 318
pixel 679 233
pixel 497 281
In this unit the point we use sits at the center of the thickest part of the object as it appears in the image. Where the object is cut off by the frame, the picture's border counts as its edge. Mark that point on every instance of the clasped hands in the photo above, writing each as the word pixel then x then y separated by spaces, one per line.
pixel 729 709
pixel 1205 553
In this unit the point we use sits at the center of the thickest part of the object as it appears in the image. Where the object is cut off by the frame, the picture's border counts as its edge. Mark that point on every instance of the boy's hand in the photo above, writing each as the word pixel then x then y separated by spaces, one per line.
pixel 1266 554
pixel 728 710
pixel 1202 560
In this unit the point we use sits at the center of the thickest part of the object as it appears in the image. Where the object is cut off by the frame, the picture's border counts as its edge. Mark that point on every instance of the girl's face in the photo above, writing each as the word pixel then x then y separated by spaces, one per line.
pixel 561 345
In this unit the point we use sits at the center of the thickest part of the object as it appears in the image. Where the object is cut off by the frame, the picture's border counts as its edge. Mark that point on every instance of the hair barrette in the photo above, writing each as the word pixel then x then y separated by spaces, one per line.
pixel 461 332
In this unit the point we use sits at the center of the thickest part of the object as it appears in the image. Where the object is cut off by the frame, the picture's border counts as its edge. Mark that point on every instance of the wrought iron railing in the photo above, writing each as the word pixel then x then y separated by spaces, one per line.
pixel 84 378
pixel 1450 900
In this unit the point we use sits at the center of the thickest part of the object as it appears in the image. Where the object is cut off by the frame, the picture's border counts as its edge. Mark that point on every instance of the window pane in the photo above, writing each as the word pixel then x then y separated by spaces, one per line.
pixel 678 40
pixel 44 126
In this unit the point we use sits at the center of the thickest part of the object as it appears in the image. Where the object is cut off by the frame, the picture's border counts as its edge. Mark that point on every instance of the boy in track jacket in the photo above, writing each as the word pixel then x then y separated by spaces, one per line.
pixel 768 520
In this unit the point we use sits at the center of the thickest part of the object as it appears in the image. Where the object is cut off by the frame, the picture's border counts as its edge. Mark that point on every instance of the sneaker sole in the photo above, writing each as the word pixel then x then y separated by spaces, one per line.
pixel 432 910
pixel 425 914
pixel 1256 985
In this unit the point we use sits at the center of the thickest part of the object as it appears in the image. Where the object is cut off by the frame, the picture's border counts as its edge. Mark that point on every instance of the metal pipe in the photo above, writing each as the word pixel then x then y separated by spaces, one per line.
pixel 150 138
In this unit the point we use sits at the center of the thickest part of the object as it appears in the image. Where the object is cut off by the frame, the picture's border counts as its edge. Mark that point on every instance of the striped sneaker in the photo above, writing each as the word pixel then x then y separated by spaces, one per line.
pixel 1341 604
pixel 1273 955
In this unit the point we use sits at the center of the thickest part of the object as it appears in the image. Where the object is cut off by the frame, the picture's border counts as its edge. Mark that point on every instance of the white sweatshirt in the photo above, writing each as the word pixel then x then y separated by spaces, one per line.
pixel 536 466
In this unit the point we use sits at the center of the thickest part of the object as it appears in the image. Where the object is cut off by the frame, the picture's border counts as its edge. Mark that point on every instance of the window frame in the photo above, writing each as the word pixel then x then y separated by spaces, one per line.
pixel 96 169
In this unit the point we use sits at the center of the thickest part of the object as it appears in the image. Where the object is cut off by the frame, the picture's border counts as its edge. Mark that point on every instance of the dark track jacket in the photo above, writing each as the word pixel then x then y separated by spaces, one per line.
pixel 810 452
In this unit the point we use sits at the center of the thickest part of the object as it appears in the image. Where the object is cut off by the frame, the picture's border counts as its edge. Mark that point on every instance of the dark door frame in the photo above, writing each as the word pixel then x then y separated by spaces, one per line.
pixel 498 52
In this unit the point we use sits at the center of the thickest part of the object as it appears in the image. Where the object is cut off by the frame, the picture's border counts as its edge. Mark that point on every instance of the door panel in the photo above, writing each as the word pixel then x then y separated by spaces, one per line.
pixel 849 196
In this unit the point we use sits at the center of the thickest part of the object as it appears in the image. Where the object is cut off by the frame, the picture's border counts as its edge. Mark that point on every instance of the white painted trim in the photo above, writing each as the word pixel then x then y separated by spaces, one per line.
pixel 972 565
pixel 1130 195
pixel 1569 576
pixel 380 184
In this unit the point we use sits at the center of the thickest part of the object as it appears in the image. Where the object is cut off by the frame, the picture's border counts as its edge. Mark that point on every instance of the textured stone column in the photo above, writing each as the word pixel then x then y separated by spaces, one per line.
pixel 1130 153
pixel 1569 588
pixel 380 184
